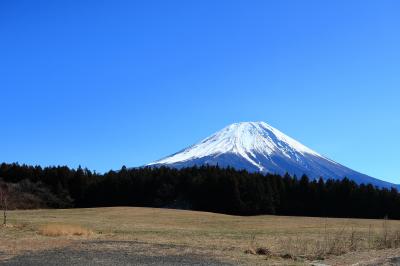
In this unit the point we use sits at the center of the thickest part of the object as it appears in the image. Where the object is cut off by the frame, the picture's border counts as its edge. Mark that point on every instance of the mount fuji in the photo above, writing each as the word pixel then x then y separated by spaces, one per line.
pixel 258 147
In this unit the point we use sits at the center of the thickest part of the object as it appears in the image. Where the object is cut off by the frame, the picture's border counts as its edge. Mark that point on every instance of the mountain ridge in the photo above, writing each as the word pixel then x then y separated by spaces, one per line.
pixel 259 147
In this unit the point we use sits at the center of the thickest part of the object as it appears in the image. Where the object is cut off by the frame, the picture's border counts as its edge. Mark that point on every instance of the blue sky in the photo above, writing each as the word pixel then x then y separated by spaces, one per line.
pixel 109 83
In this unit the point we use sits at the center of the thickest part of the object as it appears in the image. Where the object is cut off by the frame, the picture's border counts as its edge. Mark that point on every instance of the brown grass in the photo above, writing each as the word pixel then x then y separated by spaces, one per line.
pixel 223 236
pixel 63 230
pixel 332 243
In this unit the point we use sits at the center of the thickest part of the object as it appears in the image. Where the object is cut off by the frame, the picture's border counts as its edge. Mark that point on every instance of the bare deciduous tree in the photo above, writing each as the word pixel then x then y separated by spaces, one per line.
pixel 4 201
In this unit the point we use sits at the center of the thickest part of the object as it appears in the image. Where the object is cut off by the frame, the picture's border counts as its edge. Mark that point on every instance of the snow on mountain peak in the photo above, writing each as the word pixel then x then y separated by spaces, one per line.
pixel 246 139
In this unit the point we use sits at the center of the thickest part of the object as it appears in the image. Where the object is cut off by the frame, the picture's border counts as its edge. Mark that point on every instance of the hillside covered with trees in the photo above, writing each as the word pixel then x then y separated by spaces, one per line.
pixel 207 188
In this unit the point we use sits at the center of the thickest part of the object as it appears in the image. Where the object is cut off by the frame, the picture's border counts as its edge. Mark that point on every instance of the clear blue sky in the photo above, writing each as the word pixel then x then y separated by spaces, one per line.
pixel 111 83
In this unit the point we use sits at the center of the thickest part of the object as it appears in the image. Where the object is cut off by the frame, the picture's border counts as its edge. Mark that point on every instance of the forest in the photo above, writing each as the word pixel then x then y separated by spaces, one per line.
pixel 205 188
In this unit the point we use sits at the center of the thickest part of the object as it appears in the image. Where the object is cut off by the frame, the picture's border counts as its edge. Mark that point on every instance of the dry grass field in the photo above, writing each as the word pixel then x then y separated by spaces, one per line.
pixel 256 240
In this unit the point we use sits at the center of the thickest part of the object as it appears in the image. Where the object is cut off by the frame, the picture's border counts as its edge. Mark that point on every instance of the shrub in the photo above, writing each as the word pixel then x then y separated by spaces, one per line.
pixel 64 230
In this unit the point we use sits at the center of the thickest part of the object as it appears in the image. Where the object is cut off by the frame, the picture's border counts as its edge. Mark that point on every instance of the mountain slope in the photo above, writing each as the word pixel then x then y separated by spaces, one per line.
pixel 256 146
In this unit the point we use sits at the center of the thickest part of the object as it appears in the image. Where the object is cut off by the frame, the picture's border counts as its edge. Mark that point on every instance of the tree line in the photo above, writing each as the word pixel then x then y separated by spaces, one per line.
pixel 205 188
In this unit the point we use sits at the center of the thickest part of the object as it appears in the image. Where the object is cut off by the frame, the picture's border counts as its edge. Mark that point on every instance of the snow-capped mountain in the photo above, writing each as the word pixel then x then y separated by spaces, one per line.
pixel 257 146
